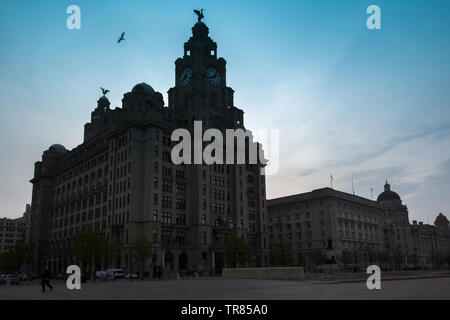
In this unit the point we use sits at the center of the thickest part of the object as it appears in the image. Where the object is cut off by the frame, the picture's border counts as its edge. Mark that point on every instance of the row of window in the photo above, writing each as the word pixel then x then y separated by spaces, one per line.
pixel 325 203
pixel 166 237
pixel 97 161
pixel 367 236
pixel 359 226
pixel 167 218
pixel 79 218
pixel 8 235
pixel 95 177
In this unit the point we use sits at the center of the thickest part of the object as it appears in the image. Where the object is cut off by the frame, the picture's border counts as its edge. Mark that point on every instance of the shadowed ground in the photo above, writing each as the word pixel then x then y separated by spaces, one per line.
pixel 210 289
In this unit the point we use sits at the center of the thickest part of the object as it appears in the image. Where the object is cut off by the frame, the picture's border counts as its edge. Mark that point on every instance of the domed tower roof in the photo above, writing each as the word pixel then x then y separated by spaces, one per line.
pixel 441 220
pixel 388 195
pixel 103 99
pixel 57 148
pixel 200 29
pixel 103 103
pixel 143 88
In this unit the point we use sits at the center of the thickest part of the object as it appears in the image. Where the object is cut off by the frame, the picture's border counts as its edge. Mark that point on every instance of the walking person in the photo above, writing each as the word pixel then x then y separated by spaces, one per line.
pixel 46 279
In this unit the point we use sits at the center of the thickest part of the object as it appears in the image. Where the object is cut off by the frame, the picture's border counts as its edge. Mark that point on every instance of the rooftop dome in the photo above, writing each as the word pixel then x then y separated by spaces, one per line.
pixel 103 98
pixel 441 219
pixel 103 102
pixel 57 148
pixel 388 195
pixel 143 88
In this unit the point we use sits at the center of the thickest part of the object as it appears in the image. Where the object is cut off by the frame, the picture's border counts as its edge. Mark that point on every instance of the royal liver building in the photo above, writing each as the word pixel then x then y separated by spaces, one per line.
pixel 121 181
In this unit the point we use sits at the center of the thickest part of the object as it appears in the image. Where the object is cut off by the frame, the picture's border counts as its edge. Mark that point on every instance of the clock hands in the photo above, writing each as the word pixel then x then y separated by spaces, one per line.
pixel 185 76
pixel 213 76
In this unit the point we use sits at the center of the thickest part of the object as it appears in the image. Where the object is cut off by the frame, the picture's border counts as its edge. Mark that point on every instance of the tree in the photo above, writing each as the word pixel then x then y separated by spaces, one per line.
pixel 237 250
pixel 9 261
pixel 383 257
pixel 90 247
pixel 21 253
pixel 281 254
pixel 317 257
pixel 371 256
pixel 346 257
pixel 414 258
pixel 24 251
pixel 141 249
pixel 436 259
pixel 356 257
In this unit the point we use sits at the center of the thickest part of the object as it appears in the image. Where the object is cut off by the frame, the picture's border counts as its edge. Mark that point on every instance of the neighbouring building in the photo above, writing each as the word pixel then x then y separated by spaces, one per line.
pixel 12 230
pixel 327 220
pixel 121 181
pixel 418 244
pixel 335 222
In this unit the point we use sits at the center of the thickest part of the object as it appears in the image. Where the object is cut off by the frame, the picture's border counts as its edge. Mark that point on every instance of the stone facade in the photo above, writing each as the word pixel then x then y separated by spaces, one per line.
pixel 325 220
pixel 121 180
pixel 334 222
pixel 416 245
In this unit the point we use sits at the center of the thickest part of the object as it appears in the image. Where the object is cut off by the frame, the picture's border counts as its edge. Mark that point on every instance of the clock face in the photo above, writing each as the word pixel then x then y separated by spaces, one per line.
pixel 185 77
pixel 213 76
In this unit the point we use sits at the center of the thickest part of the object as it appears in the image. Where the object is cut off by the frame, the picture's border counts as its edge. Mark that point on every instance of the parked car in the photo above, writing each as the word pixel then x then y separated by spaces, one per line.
pixel 25 277
pixel 10 279
pixel 101 274
pixel 115 274
pixel 135 276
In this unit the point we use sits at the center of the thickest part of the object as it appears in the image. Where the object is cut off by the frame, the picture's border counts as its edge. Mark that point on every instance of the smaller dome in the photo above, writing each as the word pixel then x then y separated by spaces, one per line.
pixel 441 219
pixel 57 148
pixel 103 103
pixel 199 29
pixel 103 99
pixel 388 195
pixel 200 24
pixel 143 88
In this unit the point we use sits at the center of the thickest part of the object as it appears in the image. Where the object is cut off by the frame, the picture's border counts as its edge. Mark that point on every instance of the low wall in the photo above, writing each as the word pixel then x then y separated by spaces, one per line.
pixel 288 273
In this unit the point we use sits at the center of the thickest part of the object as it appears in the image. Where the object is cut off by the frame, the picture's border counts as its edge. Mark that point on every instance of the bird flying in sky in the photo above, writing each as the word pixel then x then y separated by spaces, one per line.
pixel 121 37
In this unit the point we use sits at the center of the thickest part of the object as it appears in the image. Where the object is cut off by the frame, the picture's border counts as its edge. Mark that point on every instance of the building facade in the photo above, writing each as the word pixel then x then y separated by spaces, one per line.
pixel 12 230
pixel 416 244
pixel 343 226
pixel 328 221
pixel 122 182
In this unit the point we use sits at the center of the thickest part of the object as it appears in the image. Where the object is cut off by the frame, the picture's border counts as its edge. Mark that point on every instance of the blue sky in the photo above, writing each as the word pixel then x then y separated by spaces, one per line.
pixel 360 103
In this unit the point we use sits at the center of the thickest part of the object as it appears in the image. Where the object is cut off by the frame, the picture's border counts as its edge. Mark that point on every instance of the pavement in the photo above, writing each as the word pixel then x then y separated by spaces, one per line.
pixel 225 289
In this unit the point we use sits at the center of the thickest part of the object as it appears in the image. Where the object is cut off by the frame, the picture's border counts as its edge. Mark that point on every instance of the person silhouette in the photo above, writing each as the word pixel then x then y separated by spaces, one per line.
pixel 46 279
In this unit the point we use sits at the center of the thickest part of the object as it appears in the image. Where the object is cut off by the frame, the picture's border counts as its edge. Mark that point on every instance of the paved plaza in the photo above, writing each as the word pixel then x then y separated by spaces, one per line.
pixel 212 289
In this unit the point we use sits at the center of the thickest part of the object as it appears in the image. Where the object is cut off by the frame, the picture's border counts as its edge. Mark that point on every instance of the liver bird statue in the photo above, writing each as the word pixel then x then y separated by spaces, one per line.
pixel 199 14
pixel 104 91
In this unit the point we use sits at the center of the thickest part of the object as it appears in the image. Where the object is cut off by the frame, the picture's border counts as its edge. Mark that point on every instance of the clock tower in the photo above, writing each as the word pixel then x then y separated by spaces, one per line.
pixel 201 91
